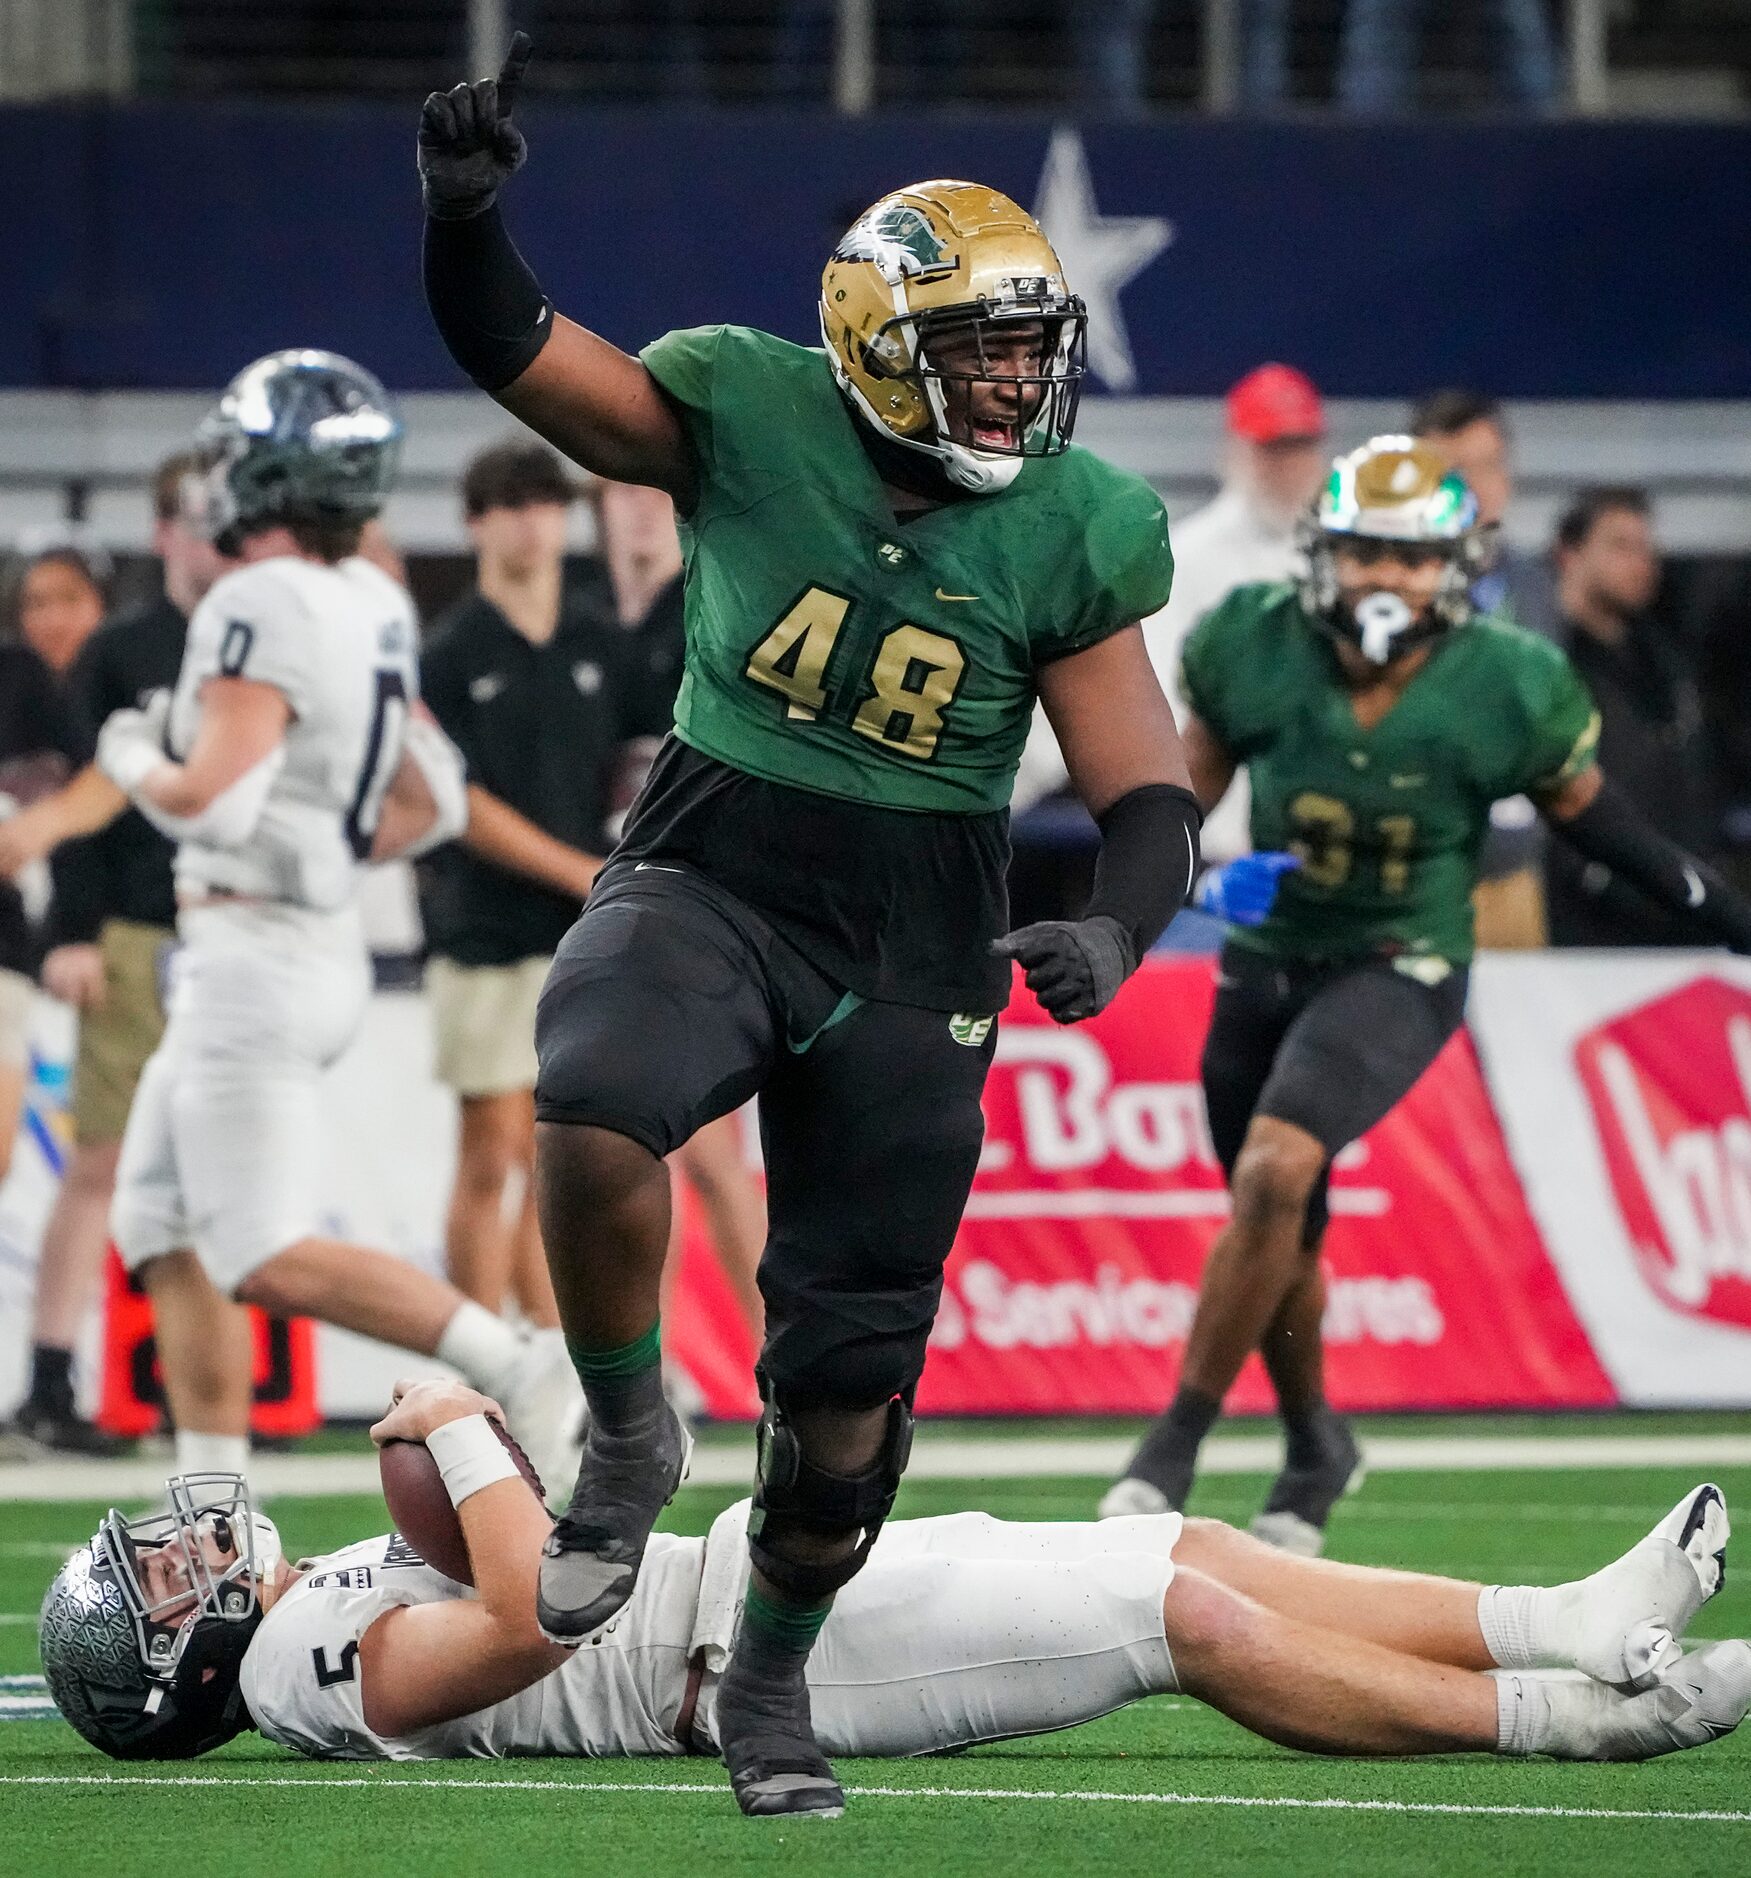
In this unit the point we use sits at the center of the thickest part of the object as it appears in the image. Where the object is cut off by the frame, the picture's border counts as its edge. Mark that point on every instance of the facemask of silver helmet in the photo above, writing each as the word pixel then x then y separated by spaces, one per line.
pixel 1393 492
pixel 156 1676
pixel 297 436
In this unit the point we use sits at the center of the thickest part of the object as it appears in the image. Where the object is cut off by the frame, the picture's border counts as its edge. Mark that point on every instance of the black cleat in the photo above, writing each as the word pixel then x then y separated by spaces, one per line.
pixel 40 1431
pixel 1159 1478
pixel 767 1737
pixel 1301 1498
pixel 590 1563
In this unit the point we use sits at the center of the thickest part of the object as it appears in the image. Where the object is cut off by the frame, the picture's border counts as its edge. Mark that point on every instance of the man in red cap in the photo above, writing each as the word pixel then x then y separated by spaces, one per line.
pixel 1275 461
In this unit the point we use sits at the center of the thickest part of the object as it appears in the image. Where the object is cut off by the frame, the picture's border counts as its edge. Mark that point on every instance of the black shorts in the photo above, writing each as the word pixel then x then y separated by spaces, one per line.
pixel 1331 1047
pixel 671 1002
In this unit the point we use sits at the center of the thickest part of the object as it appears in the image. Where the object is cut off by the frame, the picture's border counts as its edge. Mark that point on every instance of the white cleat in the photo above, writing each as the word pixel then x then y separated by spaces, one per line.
pixel 544 1409
pixel 1698 1699
pixel 1127 1498
pixel 1634 1613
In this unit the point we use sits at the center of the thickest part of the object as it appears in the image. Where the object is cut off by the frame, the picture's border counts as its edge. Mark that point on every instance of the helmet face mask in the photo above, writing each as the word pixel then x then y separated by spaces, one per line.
pixel 299 436
pixel 1046 398
pixel 920 305
pixel 144 1630
pixel 1392 500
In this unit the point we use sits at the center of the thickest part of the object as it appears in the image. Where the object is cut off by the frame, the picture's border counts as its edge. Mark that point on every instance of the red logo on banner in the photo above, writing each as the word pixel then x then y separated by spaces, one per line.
pixel 1670 1085
pixel 1075 1275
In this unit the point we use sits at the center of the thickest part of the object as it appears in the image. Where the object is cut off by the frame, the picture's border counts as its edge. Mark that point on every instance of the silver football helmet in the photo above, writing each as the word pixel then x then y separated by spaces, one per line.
pixel 144 1629
pixel 297 436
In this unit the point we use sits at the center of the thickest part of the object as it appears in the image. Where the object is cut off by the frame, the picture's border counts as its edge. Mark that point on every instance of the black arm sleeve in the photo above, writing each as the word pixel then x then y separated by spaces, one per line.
pixel 1613 832
pixel 487 304
pixel 1148 858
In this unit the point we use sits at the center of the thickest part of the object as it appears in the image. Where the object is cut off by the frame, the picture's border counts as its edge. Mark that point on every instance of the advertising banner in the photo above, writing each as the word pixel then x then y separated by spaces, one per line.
pixel 1559 1215
pixel 1623 1082
pixel 1074 1278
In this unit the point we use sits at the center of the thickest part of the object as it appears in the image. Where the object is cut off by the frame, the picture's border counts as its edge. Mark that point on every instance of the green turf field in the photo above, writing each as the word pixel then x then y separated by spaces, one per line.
pixel 1164 1785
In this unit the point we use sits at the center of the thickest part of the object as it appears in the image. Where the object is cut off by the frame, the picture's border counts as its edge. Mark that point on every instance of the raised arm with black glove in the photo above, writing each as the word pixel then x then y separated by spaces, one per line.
pixel 488 305
pixel 1598 820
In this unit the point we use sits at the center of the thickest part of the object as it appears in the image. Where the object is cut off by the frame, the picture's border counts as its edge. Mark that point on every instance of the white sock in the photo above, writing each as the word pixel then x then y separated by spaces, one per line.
pixel 1529 1626
pixel 1573 1718
pixel 483 1347
pixel 211 1454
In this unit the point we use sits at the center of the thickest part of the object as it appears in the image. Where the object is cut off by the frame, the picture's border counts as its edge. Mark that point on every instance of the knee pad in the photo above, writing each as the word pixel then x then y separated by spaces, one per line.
pixel 792 1493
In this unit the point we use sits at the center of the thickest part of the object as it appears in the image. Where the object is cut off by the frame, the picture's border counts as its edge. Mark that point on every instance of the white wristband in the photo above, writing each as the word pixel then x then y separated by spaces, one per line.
pixel 469 1456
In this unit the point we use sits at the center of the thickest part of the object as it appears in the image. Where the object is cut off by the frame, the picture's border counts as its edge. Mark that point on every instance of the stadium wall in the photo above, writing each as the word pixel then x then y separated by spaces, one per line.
pixel 162 242
pixel 1559 1215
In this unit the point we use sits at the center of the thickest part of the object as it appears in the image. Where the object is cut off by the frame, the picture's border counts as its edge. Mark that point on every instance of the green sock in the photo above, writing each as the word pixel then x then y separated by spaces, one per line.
pixel 625 1359
pixel 784 1627
pixel 623 1386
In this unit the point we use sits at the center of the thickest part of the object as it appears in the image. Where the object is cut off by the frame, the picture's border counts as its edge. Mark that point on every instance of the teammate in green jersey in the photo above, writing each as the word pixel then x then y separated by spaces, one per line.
pixel 1378 719
pixel 892 549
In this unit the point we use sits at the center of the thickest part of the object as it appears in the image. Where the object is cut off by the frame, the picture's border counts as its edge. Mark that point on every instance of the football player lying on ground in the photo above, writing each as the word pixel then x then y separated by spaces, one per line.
pixel 167 1635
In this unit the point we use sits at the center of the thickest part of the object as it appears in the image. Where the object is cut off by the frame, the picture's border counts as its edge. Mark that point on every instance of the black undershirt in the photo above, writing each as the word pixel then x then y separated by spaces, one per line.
pixel 896 905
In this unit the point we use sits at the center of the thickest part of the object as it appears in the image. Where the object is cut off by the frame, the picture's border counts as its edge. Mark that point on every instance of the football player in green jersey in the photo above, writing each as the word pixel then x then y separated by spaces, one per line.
pixel 892 549
pixel 1379 719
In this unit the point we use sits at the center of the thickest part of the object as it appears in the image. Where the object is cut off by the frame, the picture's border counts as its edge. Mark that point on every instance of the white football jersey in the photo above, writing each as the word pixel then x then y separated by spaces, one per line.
pixel 342 644
pixel 619 1694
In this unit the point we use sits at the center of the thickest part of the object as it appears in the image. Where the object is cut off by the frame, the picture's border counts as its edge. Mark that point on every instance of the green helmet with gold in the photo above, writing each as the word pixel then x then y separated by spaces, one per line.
pixel 1394 493
pixel 941 256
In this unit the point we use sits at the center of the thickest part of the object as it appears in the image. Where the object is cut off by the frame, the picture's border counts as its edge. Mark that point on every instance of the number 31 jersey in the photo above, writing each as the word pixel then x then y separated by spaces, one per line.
pixel 341 645
pixel 1387 821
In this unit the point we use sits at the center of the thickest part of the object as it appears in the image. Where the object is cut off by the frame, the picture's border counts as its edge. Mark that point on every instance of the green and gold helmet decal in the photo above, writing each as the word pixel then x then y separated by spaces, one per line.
pixel 1396 489
pixel 940 255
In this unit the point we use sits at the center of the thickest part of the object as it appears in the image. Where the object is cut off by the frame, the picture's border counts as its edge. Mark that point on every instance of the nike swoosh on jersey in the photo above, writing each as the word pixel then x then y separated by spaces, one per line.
pixel 1694 891
pixel 486 687
pixel 955 596
pixel 1408 782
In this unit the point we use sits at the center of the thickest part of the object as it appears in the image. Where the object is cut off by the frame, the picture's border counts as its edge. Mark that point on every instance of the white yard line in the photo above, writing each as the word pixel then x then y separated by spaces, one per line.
pixel 1033 1795
pixel 956 1457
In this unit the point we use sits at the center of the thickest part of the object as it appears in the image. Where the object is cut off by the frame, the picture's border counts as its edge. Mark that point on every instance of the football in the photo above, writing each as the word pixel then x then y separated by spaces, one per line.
pixel 419 1505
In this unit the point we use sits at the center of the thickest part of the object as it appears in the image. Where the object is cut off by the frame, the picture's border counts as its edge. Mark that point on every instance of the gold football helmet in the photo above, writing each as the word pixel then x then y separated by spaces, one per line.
pixel 939 256
pixel 1398 492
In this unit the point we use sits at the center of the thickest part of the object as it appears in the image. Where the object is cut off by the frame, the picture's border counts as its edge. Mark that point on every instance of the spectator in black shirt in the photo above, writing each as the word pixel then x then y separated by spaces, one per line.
pixel 635 527
pixel 540 693
pixel 41 743
pixel 1651 735
pixel 111 926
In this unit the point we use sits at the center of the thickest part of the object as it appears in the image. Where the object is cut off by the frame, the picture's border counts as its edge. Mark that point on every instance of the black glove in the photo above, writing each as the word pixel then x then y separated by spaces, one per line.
pixel 1073 966
pixel 468 146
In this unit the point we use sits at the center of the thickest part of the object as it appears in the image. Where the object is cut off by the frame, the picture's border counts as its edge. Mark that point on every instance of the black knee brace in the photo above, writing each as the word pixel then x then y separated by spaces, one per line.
pixel 791 1492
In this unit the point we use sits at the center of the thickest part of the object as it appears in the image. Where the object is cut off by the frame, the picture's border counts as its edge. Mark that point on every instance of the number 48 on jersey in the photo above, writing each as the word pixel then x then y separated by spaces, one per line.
pixel 911 685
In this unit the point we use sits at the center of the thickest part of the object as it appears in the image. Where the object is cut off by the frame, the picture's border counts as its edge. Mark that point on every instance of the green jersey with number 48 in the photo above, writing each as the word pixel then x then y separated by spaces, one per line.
pixel 1388 821
pixel 835 649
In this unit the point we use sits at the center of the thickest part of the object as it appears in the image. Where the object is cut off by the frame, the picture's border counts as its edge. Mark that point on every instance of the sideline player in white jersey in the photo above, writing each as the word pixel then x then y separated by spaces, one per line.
pixel 291 753
pixel 164 1637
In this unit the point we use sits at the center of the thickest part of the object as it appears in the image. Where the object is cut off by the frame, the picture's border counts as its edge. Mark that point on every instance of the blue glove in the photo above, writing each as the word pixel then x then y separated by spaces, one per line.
pixel 1244 891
